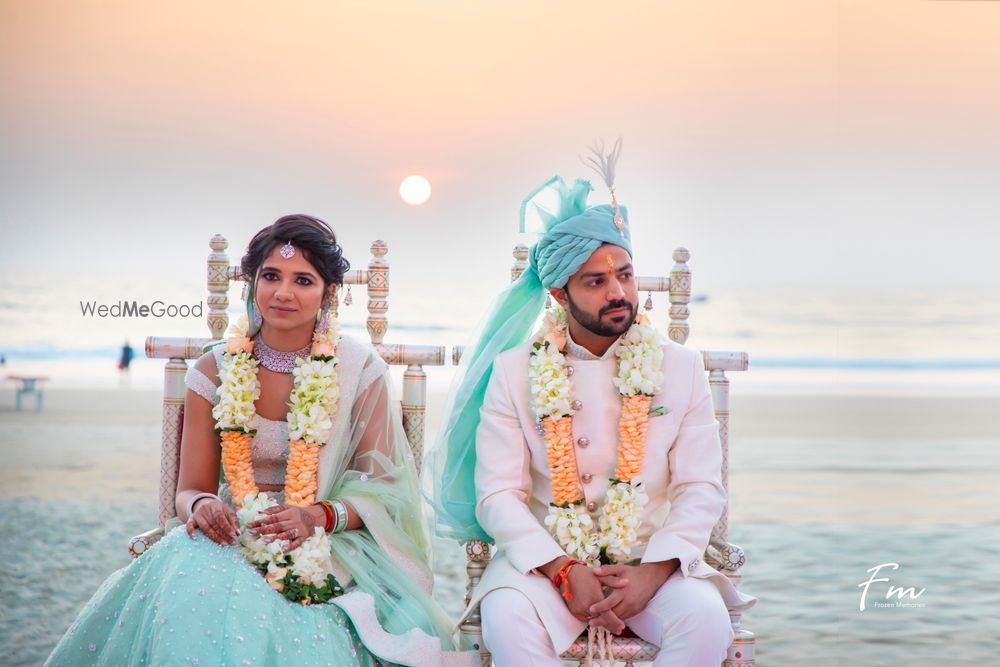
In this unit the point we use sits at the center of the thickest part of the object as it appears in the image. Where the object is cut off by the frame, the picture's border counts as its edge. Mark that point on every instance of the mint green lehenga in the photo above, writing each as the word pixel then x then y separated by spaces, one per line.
pixel 192 602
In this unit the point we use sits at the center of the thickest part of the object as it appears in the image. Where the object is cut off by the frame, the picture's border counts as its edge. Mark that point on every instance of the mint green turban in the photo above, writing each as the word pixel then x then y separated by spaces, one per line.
pixel 570 232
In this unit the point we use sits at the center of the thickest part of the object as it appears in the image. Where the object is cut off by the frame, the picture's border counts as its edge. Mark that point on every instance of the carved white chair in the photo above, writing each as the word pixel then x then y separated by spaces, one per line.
pixel 721 554
pixel 221 275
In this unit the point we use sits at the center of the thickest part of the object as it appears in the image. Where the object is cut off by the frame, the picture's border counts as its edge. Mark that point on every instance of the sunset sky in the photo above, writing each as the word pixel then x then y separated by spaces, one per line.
pixel 808 143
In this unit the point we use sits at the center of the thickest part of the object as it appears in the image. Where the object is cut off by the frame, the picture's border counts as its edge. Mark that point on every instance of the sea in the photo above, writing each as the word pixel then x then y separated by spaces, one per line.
pixel 851 341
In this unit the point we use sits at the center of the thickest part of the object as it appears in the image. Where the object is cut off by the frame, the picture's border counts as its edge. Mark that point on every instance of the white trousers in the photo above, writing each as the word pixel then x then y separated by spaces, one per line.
pixel 686 618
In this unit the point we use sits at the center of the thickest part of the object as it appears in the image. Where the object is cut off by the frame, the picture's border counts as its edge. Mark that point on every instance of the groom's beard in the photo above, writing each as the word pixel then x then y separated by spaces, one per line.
pixel 595 325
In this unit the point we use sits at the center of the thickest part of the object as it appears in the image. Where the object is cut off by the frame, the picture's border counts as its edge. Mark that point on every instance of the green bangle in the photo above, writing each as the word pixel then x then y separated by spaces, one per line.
pixel 340 509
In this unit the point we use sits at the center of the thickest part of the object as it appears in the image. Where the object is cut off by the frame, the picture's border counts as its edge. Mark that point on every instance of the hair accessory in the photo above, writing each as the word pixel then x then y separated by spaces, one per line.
pixel 287 251
pixel 604 164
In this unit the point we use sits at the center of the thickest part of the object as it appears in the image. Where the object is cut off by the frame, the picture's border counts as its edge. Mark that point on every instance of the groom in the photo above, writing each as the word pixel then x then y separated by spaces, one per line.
pixel 534 600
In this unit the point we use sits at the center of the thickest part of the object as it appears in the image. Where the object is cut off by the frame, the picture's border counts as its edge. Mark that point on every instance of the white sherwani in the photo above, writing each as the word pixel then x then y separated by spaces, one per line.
pixel 681 473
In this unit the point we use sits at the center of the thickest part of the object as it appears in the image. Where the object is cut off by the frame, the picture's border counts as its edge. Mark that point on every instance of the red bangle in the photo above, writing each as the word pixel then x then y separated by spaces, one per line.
pixel 562 577
pixel 328 513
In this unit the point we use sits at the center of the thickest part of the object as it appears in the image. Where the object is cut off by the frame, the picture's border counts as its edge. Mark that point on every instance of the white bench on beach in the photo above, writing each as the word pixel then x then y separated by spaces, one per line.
pixel 221 275
pixel 28 384
pixel 721 554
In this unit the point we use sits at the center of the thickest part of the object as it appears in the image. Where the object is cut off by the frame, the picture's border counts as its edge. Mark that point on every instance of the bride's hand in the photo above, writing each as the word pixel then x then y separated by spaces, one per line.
pixel 215 519
pixel 288 522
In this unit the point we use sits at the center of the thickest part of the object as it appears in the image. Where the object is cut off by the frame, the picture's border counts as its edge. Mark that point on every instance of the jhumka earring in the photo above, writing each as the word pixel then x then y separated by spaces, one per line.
pixel 325 314
pixel 258 319
pixel 323 321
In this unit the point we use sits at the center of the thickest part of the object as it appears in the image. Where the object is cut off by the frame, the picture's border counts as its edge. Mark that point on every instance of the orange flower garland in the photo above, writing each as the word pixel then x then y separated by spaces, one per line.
pixel 632 436
pixel 300 475
pixel 237 464
pixel 561 460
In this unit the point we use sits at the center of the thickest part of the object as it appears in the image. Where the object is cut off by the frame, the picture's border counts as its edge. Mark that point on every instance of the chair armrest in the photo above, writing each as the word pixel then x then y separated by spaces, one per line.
pixel 726 557
pixel 141 543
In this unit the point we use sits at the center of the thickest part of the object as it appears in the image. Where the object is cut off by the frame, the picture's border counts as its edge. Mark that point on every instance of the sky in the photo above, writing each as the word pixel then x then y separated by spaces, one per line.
pixel 813 144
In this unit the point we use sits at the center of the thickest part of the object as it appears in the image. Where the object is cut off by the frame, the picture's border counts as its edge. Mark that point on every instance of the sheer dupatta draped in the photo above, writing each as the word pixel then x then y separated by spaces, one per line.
pixel 368 464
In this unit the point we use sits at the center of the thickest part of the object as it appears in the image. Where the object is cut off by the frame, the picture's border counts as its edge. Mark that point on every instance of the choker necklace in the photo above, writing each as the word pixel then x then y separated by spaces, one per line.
pixel 277 360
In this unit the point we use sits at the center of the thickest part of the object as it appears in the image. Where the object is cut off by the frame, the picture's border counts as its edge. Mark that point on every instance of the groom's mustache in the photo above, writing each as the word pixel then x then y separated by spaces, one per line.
pixel 614 305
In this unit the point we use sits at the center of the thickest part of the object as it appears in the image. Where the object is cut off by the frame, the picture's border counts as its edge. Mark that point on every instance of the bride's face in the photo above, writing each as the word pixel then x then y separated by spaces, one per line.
pixel 289 291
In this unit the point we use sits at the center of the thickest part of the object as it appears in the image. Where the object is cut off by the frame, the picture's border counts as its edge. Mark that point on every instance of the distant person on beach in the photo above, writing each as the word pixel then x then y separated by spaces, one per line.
pixel 126 357
pixel 313 550
pixel 565 446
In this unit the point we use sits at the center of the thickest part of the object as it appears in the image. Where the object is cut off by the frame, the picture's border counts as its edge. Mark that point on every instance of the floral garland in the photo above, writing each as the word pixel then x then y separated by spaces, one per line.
pixel 639 378
pixel 302 575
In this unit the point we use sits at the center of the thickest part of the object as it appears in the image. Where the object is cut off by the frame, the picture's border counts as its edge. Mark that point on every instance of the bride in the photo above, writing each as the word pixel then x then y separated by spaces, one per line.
pixel 303 540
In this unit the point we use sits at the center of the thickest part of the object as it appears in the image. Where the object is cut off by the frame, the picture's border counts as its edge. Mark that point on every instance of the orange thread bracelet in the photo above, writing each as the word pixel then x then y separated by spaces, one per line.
pixel 562 577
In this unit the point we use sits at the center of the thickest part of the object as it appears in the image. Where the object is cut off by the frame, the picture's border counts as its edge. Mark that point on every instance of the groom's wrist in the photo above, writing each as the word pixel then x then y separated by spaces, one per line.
pixel 661 570
pixel 550 568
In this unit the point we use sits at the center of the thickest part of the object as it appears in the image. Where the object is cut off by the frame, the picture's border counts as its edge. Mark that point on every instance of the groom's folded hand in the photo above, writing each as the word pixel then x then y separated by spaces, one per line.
pixel 635 586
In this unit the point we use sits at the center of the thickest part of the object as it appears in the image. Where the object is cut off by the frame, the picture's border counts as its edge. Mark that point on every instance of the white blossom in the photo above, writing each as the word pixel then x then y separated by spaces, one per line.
pixel 551 390
pixel 620 518
pixel 574 531
pixel 640 362
pixel 238 389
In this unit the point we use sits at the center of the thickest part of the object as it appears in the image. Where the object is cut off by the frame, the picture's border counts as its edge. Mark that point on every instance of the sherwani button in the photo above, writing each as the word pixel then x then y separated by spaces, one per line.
pixel 587 477
pixel 692 566
pixel 592 506
pixel 577 404
pixel 569 370
pixel 583 442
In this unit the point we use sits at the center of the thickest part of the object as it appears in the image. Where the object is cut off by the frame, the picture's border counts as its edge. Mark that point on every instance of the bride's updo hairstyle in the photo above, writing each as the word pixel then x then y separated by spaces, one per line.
pixel 310 236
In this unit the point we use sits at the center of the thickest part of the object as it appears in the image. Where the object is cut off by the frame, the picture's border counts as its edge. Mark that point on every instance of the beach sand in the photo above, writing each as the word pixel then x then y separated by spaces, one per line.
pixel 821 489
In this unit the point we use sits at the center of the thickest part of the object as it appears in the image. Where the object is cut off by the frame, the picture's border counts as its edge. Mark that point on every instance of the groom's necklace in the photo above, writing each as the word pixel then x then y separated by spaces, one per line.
pixel 277 360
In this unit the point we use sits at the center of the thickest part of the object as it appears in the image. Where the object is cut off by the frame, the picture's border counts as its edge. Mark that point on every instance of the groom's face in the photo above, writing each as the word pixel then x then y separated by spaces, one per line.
pixel 602 296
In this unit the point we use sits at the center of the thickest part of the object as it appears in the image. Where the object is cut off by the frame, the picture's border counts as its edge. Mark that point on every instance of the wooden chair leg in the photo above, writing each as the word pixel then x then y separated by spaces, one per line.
pixel 477 558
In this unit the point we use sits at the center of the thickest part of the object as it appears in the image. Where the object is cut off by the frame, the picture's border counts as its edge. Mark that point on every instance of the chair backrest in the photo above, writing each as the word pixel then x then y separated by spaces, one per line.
pixel 220 277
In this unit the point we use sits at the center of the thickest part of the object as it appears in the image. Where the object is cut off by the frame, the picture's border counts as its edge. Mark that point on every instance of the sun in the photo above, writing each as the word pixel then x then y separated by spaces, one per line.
pixel 415 190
